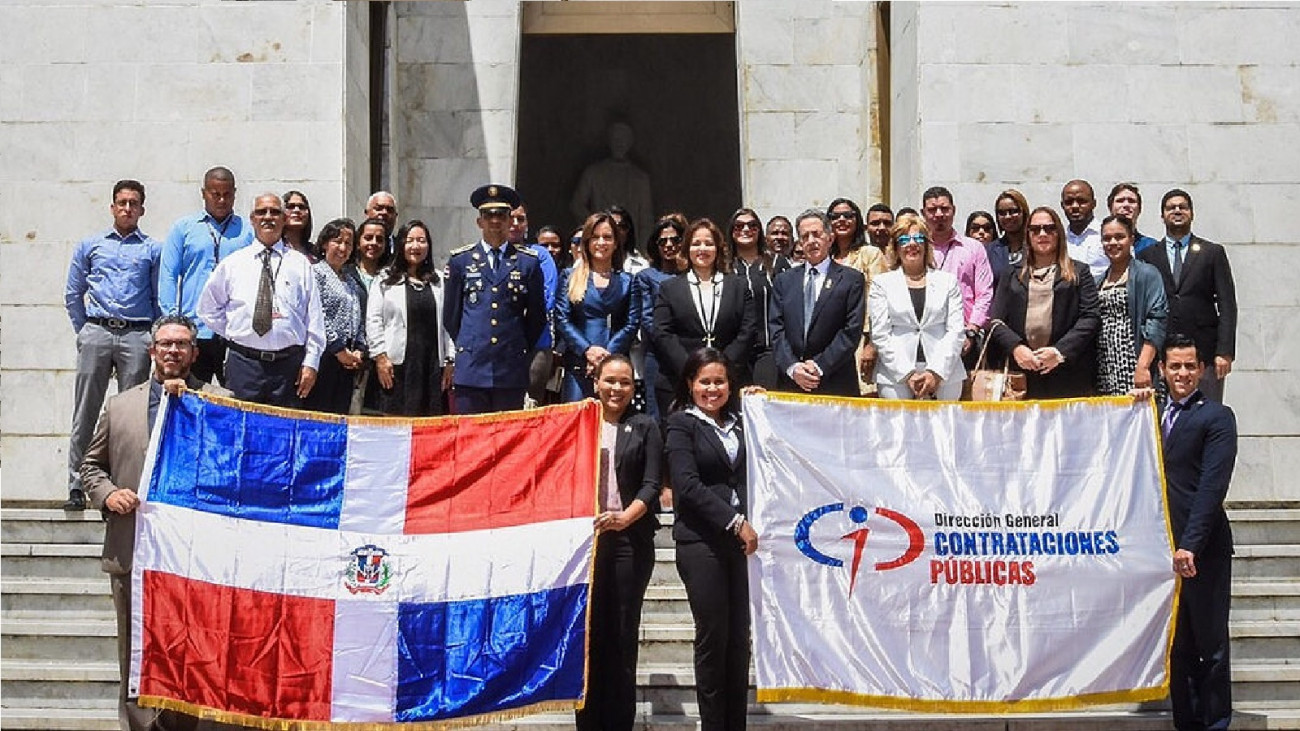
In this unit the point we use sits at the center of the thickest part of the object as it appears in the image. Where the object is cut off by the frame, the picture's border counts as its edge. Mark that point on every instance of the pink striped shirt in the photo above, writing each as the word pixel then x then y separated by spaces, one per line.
pixel 965 259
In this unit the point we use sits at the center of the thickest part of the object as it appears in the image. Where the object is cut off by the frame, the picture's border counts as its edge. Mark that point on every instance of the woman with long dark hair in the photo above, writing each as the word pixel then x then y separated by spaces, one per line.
pixel 404 329
pixel 297 224
pixel 849 246
pixel 751 259
pixel 343 306
pixel 1050 312
pixel 666 247
pixel 1133 308
pixel 706 458
pixel 1007 252
pixel 595 309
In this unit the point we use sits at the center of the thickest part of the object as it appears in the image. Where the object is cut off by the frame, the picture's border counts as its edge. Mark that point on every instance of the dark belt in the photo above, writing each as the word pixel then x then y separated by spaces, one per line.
pixel 117 323
pixel 266 356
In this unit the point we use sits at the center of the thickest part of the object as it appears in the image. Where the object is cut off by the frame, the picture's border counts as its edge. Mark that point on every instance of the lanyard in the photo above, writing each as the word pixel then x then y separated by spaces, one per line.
pixel 711 318
pixel 216 239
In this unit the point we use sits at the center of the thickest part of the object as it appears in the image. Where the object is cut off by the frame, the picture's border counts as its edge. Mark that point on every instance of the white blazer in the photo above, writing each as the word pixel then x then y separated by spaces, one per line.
pixel 895 330
pixel 386 320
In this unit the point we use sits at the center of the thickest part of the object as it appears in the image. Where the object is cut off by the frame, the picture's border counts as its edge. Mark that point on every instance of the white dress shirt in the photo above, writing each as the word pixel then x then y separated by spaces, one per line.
pixel 228 301
pixel 1086 247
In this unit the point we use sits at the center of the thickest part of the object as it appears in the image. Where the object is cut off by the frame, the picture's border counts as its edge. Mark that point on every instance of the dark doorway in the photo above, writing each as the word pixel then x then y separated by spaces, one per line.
pixel 676 91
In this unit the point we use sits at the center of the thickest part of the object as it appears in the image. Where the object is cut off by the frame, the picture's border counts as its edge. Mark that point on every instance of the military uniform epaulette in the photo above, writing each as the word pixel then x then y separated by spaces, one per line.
pixel 525 249
pixel 463 249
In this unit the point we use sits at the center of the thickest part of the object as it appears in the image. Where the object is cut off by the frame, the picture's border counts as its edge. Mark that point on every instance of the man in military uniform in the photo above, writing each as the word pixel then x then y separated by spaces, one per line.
pixel 494 308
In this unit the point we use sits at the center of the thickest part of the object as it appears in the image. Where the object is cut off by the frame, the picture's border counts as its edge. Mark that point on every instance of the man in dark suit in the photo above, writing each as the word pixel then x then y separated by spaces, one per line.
pixel 1199 286
pixel 1200 448
pixel 111 474
pixel 815 316
pixel 494 308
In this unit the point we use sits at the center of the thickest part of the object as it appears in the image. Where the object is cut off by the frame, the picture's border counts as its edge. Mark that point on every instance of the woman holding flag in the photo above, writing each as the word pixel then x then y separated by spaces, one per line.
pixel 631 452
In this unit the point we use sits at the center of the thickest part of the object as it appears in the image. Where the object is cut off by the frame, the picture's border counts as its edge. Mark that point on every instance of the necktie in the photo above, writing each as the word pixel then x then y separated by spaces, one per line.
pixel 1178 260
pixel 1171 415
pixel 494 258
pixel 809 298
pixel 262 309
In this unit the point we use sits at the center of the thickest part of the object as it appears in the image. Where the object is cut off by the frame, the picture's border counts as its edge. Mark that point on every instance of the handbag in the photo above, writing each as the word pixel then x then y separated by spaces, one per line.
pixel 986 384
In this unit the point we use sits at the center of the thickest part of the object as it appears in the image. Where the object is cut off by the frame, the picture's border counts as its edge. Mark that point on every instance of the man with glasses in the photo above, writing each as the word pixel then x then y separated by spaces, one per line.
pixel 539 370
pixel 494 309
pixel 111 298
pixel 962 257
pixel 1201 292
pixel 193 248
pixel 816 315
pixel 111 473
pixel 1083 232
pixel 264 301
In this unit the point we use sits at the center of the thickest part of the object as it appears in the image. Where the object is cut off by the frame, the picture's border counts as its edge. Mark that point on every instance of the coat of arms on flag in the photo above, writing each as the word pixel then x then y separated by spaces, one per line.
pixel 301 570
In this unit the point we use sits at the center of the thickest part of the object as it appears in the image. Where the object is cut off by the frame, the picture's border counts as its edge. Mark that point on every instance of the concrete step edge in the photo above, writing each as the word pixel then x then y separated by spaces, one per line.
pixel 22 626
pixel 1263 515
pixel 1268 550
pixel 40 585
pixel 49 670
pixel 52 550
pixel 50 515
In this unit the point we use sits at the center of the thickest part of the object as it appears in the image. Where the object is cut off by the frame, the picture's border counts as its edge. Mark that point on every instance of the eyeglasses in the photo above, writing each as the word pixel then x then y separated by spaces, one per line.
pixel 670 239
pixel 906 239
pixel 172 344
pixel 751 225
pixel 840 215
pixel 296 206
pixel 267 212
pixel 1043 228
pixel 981 227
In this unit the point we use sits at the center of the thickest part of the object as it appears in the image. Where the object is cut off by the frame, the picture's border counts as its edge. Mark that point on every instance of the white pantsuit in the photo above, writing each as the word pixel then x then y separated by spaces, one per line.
pixel 895 331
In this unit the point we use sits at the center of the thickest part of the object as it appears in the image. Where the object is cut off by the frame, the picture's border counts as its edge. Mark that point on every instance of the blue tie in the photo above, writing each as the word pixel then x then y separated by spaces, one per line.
pixel 494 257
pixel 809 298
pixel 1178 261
pixel 1171 415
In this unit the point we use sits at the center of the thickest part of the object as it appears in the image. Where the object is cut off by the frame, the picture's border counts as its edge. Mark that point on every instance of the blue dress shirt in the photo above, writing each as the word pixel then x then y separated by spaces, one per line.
pixel 188 260
pixel 113 276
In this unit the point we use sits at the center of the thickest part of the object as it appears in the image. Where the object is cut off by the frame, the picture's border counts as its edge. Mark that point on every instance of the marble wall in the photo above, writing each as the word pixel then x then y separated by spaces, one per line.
pixel 91 92
pixel 1202 96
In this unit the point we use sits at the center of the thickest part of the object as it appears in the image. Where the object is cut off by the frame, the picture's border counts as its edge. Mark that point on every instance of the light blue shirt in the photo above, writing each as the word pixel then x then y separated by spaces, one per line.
pixel 113 276
pixel 1172 245
pixel 188 260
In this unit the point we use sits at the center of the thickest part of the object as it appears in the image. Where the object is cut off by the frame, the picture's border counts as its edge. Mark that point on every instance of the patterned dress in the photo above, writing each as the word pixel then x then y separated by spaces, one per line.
pixel 1116 352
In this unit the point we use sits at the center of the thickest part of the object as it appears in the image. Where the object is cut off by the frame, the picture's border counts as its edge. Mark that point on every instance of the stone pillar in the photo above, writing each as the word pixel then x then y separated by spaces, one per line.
pixel 808 99
pixel 99 91
pixel 1199 96
pixel 455 110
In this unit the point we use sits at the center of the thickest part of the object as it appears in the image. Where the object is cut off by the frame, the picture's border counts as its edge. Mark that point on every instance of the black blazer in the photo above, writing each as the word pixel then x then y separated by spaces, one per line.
pixel 1076 320
pixel 638 466
pixel 1204 303
pixel 703 481
pixel 678 329
pixel 833 335
pixel 1199 454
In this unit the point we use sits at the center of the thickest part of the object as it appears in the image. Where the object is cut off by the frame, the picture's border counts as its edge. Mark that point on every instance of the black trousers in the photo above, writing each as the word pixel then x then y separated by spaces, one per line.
pixel 624 562
pixel 332 393
pixel 717 587
pixel 1200 685
pixel 274 383
pixel 209 366
pixel 471 400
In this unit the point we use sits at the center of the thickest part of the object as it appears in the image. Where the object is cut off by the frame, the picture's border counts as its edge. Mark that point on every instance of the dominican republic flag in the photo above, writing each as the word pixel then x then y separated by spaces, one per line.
pixel 295 569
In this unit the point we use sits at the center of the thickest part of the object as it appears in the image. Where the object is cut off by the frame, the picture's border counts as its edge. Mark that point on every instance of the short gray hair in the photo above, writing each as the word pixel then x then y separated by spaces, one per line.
pixel 816 213
pixel 181 320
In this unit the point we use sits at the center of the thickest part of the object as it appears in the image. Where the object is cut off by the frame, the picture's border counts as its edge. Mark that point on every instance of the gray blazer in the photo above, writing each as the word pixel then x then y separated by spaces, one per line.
pixel 1147 306
pixel 115 460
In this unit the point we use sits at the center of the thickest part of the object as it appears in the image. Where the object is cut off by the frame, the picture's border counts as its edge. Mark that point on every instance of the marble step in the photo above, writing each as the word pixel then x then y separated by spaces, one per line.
pixel 51 560
pixel 55 596
pixel 41 525
pixel 1272 525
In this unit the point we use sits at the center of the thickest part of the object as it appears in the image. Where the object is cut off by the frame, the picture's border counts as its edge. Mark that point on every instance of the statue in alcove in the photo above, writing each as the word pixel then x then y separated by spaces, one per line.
pixel 616 181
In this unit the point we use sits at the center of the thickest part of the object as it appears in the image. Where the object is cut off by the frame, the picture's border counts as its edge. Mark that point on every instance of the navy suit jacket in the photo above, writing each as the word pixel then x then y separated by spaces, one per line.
pixel 495 317
pixel 608 317
pixel 833 335
pixel 1203 304
pixel 1199 455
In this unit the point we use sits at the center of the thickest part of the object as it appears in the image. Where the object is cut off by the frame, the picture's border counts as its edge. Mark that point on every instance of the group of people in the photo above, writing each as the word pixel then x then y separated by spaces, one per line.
pixel 901 306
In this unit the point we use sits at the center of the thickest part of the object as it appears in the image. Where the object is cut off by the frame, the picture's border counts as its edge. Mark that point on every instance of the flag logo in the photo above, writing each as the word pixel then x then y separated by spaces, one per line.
pixel 368 571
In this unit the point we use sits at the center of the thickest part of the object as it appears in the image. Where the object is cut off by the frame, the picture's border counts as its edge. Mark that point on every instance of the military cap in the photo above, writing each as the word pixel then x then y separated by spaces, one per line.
pixel 495 196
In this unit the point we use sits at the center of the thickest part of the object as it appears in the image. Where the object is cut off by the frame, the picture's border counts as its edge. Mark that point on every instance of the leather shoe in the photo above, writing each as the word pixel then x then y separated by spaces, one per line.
pixel 76 500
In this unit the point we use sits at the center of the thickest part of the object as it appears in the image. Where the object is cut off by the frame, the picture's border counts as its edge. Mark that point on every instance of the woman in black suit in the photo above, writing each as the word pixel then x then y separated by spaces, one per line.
pixel 631 452
pixel 1051 315
pixel 706 306
pixel 706 457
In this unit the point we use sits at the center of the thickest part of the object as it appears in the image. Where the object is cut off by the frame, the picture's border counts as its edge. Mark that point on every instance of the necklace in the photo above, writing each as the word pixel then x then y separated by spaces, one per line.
pixel 710 319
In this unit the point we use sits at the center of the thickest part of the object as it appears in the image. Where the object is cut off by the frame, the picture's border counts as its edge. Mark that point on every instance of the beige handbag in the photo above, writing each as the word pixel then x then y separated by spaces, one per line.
pixel 985 384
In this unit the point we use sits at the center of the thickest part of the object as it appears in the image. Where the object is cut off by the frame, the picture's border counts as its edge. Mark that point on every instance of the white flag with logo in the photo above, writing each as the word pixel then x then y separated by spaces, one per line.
pixel 958 557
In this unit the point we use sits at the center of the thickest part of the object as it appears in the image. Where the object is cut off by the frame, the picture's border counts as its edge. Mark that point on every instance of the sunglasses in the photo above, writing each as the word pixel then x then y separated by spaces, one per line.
pixel 1009 212
pixel 906 239
pixel 751 225
pixel 842 215
pixel 981 227
pixel 670 239
pixel 495 213
pixel 1043 228
pixel 296 206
